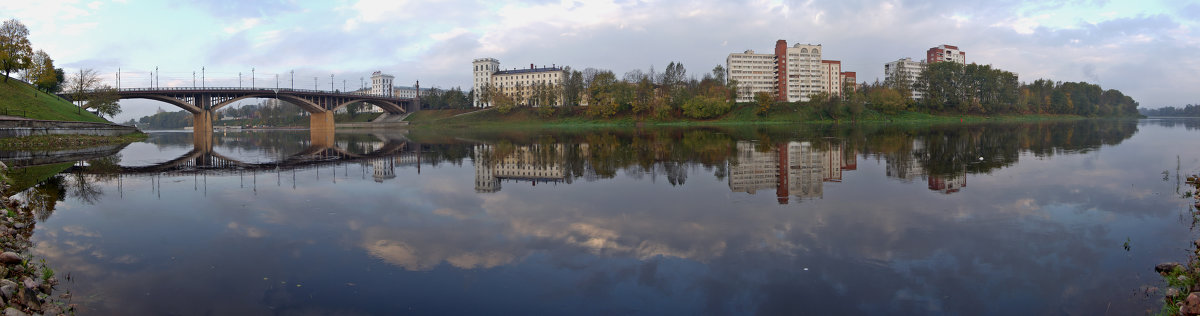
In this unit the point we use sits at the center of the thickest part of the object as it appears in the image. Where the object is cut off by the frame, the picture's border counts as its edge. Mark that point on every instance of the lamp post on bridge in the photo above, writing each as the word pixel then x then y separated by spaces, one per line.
pixel 202 77
pixel 293 80
pixel 252 85
pixel 156 75
pixel 276 83
pixel 315 83
pixel 330 82
pixel 193 79
pixel 118 78
pixel 239 80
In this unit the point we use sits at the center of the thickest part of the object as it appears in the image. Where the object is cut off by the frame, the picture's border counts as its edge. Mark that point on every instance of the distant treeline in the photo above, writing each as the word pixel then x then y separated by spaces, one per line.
pixel 949 87
pixel 1190 110
pixel 166 120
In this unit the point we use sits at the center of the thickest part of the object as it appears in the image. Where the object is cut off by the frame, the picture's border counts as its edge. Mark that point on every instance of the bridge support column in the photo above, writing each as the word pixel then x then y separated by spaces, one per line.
pixel 322 120
pixel 320 129
pixel 202 129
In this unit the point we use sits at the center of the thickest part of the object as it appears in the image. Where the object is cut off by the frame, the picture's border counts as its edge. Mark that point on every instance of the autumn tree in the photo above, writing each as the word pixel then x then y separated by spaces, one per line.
pixel 15 51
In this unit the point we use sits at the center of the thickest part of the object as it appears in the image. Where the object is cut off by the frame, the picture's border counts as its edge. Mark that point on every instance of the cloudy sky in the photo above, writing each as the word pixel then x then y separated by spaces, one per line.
pixel 1147 49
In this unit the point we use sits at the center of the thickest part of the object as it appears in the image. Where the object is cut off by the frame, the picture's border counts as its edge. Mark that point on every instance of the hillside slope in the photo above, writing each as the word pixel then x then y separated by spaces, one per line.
pixel 20 99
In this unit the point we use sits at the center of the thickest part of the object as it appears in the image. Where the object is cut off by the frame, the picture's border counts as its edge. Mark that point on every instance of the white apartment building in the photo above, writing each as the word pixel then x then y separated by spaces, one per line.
pixel 381 84
pixel 802 72
pixel 792 73
pixel 907 70
pixel 519 84
pixel 754 73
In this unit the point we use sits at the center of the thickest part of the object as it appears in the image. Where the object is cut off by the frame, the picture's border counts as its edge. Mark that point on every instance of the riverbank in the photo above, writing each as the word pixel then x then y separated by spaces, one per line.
pixel 743 115
pixel 66 142
pixel 26 285
pixel 1182 293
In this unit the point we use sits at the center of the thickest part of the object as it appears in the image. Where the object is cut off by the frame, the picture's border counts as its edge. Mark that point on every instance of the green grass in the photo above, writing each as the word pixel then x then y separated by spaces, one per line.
pixel 430 115
pixel 20 99
pixel 61 142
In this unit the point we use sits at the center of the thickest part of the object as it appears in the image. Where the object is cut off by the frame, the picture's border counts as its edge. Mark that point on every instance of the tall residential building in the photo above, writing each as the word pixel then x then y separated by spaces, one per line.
pixel 381 84
pixel 905 71
pixel 753 72
pixel 945 53
pixel 520 84
pixel 798 71
pixel 831 74
pixel 791 73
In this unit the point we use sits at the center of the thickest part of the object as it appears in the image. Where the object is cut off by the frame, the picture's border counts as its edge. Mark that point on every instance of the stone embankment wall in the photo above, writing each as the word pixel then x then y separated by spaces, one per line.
pixel 18 128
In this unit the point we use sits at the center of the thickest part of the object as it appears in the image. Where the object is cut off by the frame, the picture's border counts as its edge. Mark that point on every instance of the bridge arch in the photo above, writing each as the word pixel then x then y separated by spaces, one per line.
pixel 169 100
pixel 386 106
pixel 306 105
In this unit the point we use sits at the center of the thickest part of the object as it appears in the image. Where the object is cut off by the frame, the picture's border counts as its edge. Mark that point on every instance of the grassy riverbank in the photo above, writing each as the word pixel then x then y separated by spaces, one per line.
pixel 20 99
pixel 62 142
pixel 741 115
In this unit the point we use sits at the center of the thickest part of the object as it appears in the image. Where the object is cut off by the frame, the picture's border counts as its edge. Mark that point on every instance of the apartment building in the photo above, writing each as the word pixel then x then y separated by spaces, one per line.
pixel 519 84
pixel 906 71
pixel 753 72
pixel 944 52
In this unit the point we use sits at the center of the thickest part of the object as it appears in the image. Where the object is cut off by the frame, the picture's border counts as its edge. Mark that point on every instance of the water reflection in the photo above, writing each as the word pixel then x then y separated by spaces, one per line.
pixel 634 221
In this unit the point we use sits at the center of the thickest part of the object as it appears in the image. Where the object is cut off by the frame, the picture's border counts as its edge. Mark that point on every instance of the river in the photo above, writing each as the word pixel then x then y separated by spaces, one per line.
pixel 974 219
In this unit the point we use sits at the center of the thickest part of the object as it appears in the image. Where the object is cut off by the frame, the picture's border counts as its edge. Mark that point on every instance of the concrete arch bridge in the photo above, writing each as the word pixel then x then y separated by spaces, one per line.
pixel 202 102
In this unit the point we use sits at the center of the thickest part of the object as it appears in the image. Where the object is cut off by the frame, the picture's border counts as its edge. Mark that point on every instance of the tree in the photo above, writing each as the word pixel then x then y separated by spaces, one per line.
pixel 718 74
pixel 80 84
pixel 764 100
pixel 15 51
pixel 105 101
pixel 41 72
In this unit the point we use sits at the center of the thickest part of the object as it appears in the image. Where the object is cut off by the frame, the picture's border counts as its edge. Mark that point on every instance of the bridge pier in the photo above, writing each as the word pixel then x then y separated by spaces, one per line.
pixel 202 128
pixel 321 121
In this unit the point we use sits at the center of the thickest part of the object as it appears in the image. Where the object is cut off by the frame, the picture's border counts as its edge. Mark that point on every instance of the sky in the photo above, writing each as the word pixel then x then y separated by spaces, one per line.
pixel 1147 49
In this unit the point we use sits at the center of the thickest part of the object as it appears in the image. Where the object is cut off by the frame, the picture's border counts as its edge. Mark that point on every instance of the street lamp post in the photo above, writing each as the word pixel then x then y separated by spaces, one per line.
pixel 252 85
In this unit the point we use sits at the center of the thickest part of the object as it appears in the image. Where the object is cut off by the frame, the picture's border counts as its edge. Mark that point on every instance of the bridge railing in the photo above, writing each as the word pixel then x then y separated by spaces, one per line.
pixel 248 90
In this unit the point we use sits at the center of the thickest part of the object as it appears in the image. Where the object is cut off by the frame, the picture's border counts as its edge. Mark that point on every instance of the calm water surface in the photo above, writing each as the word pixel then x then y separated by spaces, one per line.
pixel 1005 219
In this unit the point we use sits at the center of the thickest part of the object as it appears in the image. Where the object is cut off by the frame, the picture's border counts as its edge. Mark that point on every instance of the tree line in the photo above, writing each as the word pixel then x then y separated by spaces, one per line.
pixel 1190 110
pixel 37 68
pixel 948 87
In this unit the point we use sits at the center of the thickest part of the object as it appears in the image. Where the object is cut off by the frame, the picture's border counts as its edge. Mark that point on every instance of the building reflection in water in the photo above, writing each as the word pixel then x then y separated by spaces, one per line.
pixel 796 168
pixel 519 163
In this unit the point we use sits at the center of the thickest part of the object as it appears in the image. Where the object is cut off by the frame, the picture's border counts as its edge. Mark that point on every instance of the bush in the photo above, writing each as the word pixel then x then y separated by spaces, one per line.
pixel 547 111
pixel 704 107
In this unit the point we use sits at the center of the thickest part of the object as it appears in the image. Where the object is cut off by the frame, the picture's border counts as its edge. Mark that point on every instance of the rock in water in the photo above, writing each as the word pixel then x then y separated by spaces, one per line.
pixel 9 257
pixel 13 312
pixel 1166 267
pixel 1191 306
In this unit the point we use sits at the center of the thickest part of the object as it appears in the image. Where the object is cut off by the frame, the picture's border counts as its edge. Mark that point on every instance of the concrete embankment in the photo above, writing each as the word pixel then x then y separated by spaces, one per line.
pixel 19 128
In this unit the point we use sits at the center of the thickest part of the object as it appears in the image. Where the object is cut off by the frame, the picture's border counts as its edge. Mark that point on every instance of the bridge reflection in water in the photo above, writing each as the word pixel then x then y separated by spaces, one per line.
pixel 322 149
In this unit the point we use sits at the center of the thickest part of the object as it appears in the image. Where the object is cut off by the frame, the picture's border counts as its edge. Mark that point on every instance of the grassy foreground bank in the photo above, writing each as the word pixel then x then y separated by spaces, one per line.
pixel 21 99
pixel 740 115
pixel 64 142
